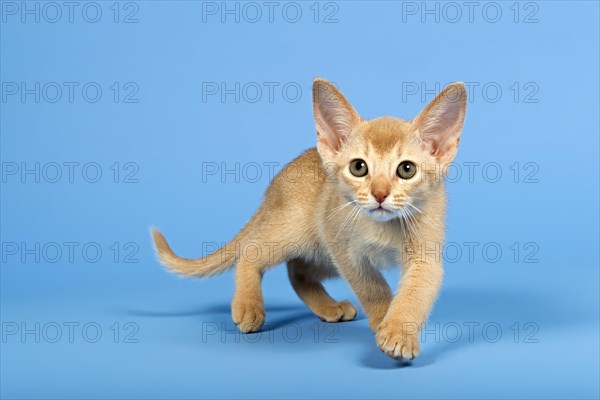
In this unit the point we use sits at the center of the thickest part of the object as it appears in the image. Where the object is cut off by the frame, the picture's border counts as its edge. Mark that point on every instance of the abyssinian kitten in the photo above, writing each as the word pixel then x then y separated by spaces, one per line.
pixel 377 200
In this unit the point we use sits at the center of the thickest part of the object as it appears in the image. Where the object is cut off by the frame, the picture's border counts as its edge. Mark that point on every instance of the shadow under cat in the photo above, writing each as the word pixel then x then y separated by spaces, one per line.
pixel 293 327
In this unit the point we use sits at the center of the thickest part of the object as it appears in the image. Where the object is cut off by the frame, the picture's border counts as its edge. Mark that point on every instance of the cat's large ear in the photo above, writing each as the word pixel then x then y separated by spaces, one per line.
pixel 334 116
pixel 441 122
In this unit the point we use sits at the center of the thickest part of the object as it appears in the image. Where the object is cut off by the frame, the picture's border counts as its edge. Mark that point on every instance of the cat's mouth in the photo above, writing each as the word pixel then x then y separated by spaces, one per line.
pixel 381 210
pixel 381 213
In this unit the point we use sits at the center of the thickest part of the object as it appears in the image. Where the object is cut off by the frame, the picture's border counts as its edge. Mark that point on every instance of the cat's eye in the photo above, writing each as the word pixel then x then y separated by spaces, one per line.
pixel 358 168
pixel 406 169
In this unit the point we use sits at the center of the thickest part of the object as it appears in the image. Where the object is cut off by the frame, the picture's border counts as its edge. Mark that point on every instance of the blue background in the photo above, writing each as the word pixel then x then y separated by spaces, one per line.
pixel 182 343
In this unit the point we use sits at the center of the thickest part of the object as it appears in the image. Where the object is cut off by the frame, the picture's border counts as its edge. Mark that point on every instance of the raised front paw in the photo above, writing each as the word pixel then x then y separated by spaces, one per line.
pixel 399 340
pixel 249 316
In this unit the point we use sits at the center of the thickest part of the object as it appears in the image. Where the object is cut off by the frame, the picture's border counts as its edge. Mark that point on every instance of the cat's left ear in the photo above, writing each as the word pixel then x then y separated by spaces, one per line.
pixel 335 118
pixel 440 123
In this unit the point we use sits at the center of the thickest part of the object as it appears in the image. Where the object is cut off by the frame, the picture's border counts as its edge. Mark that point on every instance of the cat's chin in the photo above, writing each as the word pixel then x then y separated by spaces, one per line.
pixel 382 215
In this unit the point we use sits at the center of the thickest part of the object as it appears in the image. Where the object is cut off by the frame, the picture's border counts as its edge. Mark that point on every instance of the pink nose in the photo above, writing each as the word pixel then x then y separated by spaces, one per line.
pixel 380 195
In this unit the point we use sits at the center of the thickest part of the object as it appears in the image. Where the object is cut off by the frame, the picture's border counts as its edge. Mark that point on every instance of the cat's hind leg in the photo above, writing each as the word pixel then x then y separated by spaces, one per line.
pixel 247 307
pixel 306 280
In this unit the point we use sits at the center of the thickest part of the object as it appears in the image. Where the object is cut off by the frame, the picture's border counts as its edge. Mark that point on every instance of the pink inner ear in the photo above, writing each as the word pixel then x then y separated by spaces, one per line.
pixel 326 141
pixel 441 123
pixel 446 147
pixel 442 140
pixel 335 118
pixel 325 149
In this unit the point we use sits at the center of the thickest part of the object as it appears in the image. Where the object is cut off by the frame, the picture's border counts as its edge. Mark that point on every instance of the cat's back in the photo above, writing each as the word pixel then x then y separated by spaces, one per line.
pixel 300 181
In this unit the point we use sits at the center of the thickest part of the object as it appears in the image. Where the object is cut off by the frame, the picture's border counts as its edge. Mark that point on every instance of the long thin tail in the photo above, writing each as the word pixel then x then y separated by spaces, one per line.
pixel 213 264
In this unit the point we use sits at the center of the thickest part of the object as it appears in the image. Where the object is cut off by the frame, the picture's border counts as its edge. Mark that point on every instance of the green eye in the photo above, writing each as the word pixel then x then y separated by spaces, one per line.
pixel 406 169
pixel 358 168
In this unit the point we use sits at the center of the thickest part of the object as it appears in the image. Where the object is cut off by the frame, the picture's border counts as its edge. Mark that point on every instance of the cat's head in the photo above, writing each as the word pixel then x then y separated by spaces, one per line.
pixel 387 166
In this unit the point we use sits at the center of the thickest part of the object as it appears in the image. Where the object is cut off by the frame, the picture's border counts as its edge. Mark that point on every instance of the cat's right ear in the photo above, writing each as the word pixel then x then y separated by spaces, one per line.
pixel 335 118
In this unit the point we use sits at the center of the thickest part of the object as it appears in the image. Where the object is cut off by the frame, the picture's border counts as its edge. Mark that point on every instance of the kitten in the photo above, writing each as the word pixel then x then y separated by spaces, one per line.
pixel 370 194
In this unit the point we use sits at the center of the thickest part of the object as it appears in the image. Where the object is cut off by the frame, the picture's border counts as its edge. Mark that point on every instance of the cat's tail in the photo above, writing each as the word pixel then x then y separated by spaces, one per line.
pixel 213 264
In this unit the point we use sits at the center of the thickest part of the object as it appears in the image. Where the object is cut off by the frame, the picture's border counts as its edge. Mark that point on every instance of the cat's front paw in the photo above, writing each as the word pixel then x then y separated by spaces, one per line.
pixel 249 316
pixel 397 339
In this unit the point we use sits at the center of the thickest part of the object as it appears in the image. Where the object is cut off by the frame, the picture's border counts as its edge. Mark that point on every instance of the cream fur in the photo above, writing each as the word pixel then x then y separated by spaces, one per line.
pixel 327 222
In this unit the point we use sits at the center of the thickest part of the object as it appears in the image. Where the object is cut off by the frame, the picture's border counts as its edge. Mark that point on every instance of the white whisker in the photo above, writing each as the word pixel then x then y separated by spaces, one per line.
pixel 355 219
pixel 348 219
pixel 419 211
pixel 409 222
pixel 338 209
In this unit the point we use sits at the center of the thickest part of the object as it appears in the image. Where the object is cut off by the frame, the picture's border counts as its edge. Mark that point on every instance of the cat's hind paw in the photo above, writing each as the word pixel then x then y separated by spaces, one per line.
pixel 338 312
pixel 248 316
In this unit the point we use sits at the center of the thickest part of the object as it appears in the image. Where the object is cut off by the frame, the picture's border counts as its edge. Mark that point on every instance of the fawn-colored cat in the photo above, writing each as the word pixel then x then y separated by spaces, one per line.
pixel 370 195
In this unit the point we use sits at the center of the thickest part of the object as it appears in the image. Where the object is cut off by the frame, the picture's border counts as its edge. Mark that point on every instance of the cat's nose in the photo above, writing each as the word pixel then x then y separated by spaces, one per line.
pixel 380 195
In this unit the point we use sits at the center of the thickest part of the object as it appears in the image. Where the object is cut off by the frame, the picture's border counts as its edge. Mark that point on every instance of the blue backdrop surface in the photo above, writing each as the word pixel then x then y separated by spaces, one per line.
pixel 117 116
